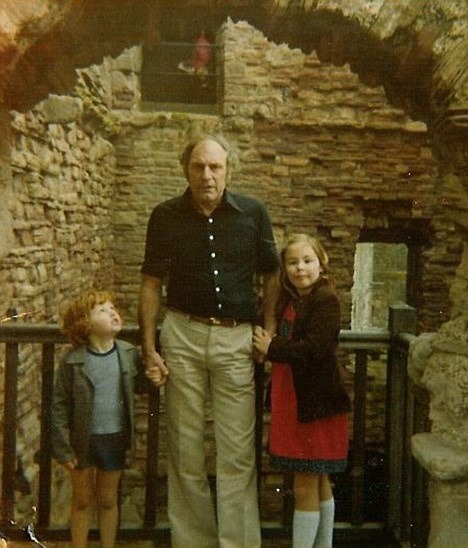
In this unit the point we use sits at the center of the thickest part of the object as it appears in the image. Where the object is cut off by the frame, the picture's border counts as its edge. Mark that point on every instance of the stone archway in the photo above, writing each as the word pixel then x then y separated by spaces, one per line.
pixel 417 50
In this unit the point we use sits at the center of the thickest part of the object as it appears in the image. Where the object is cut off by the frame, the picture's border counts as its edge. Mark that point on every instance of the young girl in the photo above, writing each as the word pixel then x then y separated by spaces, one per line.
pixel 309 422
pixel 92 412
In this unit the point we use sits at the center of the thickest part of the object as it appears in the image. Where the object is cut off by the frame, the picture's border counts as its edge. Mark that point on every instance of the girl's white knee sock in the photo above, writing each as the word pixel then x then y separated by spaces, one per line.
pixel 305 525
pixel 324 536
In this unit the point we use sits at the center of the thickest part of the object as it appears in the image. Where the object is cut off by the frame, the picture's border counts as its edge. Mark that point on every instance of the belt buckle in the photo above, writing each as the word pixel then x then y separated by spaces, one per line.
pixel 214 321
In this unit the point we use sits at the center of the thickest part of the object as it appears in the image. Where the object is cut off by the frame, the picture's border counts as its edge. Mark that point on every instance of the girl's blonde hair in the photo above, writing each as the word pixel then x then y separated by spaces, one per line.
pixel 75 319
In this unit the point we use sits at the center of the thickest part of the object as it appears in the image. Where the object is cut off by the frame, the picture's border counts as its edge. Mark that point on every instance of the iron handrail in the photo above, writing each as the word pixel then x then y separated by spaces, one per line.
pixel 360 343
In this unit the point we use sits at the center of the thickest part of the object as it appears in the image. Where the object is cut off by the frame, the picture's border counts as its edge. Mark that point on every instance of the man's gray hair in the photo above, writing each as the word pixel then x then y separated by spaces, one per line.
pixel 231 159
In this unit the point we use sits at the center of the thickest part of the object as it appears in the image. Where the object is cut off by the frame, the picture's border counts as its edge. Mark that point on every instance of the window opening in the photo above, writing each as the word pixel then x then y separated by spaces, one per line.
pixel 380 272
pixel 180 72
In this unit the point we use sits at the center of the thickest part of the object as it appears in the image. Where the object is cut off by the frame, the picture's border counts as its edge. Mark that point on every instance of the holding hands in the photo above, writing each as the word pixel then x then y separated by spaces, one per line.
pixel 70 465
pixel 155 368
pixel 261 341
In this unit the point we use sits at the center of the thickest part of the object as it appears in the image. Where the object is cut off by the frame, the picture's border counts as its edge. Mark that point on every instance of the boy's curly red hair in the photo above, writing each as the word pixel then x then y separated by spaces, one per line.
pixel 75 319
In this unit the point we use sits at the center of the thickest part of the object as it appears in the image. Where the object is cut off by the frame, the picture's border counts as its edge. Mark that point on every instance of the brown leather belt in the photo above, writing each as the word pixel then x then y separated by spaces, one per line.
pixel 220 322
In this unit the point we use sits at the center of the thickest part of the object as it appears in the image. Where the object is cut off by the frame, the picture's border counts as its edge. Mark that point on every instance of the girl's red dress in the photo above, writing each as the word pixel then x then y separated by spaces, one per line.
pixel 319 446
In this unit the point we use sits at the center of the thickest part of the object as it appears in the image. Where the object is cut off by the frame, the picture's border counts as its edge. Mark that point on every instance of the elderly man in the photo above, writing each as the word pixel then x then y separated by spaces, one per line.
pixel 208 245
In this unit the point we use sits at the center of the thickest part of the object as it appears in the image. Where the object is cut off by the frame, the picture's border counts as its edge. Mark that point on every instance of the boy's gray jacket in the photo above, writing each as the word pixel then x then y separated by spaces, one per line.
pixel 72 403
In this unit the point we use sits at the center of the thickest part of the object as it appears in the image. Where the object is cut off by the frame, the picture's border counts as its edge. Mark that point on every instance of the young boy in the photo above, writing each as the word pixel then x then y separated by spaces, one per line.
pixel 92 412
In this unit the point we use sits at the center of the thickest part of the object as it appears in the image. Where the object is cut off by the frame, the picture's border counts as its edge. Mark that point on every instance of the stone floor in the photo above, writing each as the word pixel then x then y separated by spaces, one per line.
pixel 271 540
pixel 266 543
pixel 270 543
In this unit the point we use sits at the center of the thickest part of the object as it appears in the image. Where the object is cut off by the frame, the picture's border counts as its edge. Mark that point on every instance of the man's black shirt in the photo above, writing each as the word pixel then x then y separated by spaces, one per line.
pixel 209 263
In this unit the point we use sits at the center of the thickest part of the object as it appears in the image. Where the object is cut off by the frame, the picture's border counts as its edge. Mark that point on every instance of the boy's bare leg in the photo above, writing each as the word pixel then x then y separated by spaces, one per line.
pixel 82 505
pixel 107 488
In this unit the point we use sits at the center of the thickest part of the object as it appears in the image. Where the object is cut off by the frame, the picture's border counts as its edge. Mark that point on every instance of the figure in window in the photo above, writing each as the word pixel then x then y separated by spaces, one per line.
pixel 200 59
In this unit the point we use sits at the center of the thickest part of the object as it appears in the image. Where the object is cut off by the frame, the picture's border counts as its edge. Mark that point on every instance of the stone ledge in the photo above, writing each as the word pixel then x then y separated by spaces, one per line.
pixel 58 109
pixel 440 457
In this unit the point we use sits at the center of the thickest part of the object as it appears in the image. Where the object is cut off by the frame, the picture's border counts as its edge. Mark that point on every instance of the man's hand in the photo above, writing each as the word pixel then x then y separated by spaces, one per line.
pixel 155 368
pixel 70 465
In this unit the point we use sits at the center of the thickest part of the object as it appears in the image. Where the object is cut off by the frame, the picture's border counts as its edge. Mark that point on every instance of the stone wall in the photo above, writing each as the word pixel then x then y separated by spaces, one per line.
pixel 58 190
pixel 327 154
pixel 60 207
pixel 342 159
pixel 57 200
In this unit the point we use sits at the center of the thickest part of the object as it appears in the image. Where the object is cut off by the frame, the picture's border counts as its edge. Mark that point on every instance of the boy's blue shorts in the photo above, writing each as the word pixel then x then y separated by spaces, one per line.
pixel 107 451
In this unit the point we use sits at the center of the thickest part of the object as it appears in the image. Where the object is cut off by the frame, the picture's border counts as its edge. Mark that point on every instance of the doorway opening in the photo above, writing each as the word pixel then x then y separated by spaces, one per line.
pixel 380 280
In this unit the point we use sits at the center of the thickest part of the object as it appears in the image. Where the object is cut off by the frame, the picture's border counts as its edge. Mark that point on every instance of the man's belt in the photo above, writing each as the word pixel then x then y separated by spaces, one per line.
pixel 205 320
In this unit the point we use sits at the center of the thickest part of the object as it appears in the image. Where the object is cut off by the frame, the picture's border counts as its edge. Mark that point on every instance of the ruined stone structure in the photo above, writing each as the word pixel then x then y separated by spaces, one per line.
pixel 350 119
pixel 439 363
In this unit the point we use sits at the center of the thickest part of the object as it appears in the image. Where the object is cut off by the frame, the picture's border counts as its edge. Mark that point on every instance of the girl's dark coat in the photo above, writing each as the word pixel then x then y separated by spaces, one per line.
pixel 311 353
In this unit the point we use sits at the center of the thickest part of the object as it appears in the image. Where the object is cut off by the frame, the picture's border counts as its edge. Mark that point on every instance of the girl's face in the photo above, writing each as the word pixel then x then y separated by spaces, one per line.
pixel 104 320
pixel 302 266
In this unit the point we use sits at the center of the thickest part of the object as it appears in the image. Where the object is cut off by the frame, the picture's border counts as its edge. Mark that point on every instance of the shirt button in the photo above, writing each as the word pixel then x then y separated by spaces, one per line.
pixel 211 237
pixel 220 306
pixel 213 255
pixel 217 289
pixel 216 272
pixel 211 220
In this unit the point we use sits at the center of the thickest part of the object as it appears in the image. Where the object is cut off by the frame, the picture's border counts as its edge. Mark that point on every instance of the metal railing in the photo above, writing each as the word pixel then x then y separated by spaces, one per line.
pixel 406 413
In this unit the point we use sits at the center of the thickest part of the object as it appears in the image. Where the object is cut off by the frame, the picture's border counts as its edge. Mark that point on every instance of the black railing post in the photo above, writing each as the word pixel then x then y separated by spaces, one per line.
pixel 152 450
pixel 288 501
pixel 45 453
pixel 359 438
pixel 402 319
pixel 259 374
pixel 419 503
pixel 9 433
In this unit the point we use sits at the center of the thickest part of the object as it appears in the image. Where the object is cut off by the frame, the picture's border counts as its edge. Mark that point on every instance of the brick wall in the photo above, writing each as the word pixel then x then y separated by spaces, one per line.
pixel 326 153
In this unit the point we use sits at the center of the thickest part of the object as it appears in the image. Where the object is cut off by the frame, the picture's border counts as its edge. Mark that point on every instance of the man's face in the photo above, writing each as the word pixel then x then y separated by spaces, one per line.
pixel 207 173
